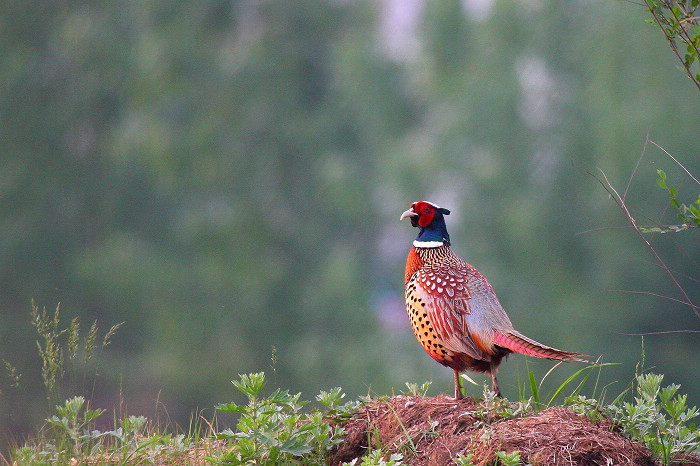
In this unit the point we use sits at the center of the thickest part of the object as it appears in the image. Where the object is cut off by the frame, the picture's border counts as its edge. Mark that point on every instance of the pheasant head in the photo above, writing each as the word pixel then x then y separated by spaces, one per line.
pixel 430 221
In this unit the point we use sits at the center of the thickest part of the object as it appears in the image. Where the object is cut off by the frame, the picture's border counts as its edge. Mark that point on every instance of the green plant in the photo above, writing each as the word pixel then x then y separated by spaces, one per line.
pixel 508 459
pixel 678 20
pixel 502 458
pixel 52 349
pixel 375 458
pixel 589 407
pixel 336 411
pixel 418 390
pixel 464 460
pixel 272 430
pixel 493 408
pixel 583 374
pixel 14 376
pixel 658 418
pixel 689 215
pixel 71 435
pixel 409 446
pixel 73 427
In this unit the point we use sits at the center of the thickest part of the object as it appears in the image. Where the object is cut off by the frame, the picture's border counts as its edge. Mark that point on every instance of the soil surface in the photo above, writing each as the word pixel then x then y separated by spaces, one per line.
pixel 432 431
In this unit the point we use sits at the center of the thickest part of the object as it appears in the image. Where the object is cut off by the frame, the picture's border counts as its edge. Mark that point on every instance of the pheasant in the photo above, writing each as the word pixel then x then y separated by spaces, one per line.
pixel 453 309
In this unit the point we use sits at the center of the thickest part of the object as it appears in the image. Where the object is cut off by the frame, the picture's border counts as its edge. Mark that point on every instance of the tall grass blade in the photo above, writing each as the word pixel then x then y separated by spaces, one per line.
pixel 533 388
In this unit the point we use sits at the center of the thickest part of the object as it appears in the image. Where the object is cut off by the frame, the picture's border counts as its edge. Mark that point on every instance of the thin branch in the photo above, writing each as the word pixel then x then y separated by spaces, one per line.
pixel 649 293
pixel 684 30
pixel 634 3
pixel 593 230
pixel 674 159
pixel 671 42
pixel 636 167
pixel 627 227
pixel 657 333
pixel 690 258
pixel 675 272
pixel 621 204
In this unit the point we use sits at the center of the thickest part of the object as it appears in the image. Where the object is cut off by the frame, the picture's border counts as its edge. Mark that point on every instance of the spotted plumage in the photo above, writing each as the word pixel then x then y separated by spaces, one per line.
pixel 454 312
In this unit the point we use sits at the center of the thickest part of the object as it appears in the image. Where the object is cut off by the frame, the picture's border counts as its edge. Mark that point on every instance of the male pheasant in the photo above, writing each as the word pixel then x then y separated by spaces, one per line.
pixel 454 312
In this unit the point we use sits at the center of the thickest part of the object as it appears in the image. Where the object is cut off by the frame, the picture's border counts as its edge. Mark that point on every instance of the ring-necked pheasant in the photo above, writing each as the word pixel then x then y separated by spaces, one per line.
pixel 454 312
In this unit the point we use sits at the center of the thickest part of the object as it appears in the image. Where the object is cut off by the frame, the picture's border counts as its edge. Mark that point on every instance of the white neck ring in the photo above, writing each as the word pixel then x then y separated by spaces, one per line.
pixel 427 244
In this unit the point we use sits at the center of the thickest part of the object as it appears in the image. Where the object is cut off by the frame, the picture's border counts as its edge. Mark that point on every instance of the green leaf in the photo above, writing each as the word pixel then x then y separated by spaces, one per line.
pixel 226 434
pixel 533 388
pixel 567 381
pixel 250 384
pixel 668 392
pixel 230 408
pixel 295 446
pixel 662 179
pixel 332 398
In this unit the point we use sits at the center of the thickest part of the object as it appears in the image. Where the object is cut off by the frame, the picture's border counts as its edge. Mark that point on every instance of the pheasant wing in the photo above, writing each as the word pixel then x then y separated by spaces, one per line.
pixel 447 298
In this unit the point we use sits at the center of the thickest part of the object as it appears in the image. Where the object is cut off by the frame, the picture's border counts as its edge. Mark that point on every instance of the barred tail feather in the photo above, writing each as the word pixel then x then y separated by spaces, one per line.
pixel 519 343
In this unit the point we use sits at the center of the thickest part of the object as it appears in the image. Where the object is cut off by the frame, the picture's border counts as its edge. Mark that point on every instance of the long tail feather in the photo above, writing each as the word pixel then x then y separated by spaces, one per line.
pixel 519 343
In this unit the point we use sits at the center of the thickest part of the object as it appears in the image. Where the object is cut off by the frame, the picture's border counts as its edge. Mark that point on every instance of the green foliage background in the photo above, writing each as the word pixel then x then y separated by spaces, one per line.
pixel 226 177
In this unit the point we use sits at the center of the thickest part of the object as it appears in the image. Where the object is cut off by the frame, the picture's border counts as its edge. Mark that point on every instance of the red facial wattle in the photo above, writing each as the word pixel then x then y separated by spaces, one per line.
pixel 425 212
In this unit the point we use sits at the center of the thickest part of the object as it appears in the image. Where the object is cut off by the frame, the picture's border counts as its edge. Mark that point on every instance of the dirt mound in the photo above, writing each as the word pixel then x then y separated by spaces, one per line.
pixel 432 431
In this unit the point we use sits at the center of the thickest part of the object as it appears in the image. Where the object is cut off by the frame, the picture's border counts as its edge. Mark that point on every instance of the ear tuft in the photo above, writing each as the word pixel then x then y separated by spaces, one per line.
pixel 444 211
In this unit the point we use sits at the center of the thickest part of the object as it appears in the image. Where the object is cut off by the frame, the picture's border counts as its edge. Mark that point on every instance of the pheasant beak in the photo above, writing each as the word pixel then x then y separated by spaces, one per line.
pixel 408 213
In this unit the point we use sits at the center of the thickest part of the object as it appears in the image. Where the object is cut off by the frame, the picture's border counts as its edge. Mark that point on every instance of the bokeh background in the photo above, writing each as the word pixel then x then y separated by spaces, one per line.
pixel 226 178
